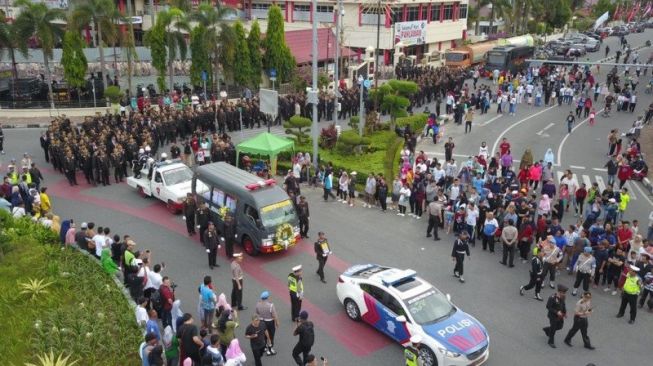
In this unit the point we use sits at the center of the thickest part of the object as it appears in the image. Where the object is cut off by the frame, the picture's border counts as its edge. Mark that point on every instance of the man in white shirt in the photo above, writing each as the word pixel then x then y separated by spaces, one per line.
pixel 454 190
pixel 141 312
pixel 483 150
pixel 438 173
pixel 471 216
pixel 572 185
pixel 154 280
pixel 100 242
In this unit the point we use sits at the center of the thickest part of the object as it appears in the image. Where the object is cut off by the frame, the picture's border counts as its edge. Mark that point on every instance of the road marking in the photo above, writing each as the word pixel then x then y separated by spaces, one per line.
pixel 642 192
pixel 541 133
pixel 600 169
pixel 491 120
pixel 496 143
pixel 564 139
pixel 599 181
pixel 587 181
pixel 577 167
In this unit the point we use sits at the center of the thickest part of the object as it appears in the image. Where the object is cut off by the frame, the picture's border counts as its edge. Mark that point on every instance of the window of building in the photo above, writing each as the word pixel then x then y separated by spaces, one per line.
pixel 463 11
pixel 435 12
pixel 324 9
pixel 412 13
pixel 397 14
pixel 448 11
pixel 258 6
pixel 305 8
pixel 370 17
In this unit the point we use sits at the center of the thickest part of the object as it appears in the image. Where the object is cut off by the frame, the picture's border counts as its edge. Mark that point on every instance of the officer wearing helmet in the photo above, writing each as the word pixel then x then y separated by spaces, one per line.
pixel 411 352
pixel 140 163
pixel 164 157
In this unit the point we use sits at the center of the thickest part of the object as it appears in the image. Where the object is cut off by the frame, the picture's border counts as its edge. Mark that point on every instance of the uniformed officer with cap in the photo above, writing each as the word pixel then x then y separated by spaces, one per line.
pixel 411 352
pixel 237 282
pixel 631 289
pixel 557 311
pixel 296 289
pixel 266 311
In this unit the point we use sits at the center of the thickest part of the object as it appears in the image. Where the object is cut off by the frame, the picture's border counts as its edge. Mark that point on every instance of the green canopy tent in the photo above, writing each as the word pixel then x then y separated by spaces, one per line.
pixel 265 144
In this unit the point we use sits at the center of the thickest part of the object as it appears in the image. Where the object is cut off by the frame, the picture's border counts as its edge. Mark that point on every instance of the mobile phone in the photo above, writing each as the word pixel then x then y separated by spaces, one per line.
pixel 321 358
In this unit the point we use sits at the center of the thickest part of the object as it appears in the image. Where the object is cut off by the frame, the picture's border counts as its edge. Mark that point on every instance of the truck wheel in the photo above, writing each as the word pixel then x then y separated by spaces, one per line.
pixel 141 192
pixel 171 207
pixel 248 246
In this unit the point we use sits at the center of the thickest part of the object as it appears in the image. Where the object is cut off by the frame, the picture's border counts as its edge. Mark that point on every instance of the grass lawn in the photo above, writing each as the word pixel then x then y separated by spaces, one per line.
pixel 77 310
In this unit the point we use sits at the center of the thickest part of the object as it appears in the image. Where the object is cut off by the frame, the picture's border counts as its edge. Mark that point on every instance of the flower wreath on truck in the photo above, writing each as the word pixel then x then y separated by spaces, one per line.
pixel 285 236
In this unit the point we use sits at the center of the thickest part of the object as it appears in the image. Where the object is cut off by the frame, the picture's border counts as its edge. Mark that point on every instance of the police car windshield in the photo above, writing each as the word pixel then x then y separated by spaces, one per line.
pixel 277 214
pixel 429 307
pixel 176 176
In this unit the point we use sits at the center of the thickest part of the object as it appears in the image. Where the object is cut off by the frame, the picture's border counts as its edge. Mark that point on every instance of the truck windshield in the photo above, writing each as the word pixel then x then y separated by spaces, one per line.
pixel 176 176
pixel 277 214
pixel 496 58
pixel 455 56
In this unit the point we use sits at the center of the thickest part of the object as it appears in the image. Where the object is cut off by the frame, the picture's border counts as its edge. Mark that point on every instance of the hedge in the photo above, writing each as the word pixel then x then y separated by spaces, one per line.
pixel 74 308
pixel 416 122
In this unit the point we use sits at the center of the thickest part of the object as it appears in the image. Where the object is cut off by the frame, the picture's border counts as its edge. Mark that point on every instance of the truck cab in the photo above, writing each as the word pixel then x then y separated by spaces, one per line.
pixel 169 181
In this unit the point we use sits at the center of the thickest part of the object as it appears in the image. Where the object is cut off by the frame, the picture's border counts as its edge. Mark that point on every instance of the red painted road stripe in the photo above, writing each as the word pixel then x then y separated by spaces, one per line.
pixel 360 339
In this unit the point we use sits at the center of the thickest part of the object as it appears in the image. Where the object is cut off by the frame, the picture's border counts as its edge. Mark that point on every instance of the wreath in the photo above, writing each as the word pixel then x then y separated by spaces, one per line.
pixel 223 211
pixel 285 236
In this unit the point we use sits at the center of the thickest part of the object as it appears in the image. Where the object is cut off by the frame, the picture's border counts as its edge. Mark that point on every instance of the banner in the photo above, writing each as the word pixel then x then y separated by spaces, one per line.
pixel 410 33
pixel 602 19
pixel 617 13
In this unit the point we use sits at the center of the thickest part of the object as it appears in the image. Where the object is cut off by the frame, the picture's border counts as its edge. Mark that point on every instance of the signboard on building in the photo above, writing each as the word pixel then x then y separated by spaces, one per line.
pixel 410 33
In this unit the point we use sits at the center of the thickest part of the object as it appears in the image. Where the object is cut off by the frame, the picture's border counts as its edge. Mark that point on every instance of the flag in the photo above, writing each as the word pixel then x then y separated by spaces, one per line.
pixel 647 10
pixel 602 19
pixel 632 13
pixel 617 13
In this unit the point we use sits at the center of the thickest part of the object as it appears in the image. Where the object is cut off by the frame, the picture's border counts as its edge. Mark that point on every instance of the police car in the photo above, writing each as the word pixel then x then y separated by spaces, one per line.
pixel 401 305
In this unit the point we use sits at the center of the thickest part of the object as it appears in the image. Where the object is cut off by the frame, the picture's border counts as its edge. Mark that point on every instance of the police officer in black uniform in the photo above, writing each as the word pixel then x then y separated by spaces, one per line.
pixel 189 208
pixel 460 248
pixel 556 312
pixel 229 235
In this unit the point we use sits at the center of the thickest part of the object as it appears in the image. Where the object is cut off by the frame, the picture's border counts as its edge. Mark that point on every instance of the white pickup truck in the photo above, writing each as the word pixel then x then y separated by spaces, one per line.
pixel 168 181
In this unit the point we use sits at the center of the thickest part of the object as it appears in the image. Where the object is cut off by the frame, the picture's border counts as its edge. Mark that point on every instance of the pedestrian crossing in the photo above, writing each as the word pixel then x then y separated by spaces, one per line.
pixel 587 179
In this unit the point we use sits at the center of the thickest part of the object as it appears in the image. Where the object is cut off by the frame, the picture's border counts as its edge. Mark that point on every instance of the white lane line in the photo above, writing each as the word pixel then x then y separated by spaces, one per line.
pixel 600 169
pixel 587 180
pixel 599 181
pixel 491 120
pixel 643 194
pixel 577 167
pixel 496 143
pixel 545 128
pixel 564 139
pixel 630 189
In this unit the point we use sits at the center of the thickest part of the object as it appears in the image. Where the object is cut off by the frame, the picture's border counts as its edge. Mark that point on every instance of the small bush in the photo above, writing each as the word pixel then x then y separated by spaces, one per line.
pixel 328 137
pixel 113 93
pixel 416 122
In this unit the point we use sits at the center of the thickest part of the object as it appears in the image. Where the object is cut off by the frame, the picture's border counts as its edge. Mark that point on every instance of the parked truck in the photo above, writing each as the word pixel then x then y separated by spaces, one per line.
pixel 475 54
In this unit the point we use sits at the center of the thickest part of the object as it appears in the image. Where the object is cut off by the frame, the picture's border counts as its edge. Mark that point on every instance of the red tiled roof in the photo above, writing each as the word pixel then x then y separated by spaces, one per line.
pixel 300 43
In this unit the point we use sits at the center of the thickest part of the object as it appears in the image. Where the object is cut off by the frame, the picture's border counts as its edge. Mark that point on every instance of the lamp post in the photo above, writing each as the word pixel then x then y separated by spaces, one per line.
pixel 361 114
pixel 336 68
pixel 313 94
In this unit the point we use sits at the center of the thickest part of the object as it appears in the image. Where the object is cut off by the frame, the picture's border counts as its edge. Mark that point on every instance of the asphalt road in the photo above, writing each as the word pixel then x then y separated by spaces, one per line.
pixel 361 235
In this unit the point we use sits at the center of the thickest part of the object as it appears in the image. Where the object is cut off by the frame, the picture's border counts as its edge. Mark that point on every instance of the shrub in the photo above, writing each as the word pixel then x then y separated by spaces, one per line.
pixel 416 122
pixel 296 125
pixel 113 93
pixel 328 137
pixel 351 142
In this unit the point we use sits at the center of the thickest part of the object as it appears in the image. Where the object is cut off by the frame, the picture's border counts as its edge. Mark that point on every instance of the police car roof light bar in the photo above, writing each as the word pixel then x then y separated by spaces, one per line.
pixel 394 277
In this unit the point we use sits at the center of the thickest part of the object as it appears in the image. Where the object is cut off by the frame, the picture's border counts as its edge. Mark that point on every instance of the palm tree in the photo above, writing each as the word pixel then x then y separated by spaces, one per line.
pixel 500 8
pixel 212 19
pixel 12 40
pixel 176 25
pixel 37 20
pixel 100 14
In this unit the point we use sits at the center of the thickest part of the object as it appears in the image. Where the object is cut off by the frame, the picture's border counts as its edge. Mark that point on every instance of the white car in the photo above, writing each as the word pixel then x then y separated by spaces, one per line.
pixel 170 181
pixel 400 305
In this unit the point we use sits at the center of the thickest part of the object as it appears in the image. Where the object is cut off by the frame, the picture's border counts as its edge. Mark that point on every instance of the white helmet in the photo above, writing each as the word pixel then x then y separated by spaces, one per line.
pixel 164 156
pixel 141 151
pixel 147 148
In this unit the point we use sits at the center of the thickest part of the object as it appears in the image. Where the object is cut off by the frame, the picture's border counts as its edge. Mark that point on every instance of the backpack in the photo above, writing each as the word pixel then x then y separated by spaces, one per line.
pixel 156 300
pixel 308 336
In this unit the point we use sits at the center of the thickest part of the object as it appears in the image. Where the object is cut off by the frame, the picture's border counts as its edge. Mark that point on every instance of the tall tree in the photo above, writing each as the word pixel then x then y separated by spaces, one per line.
pixel 100 14
pixel 277 53
pixel 155 38
pixel 243 66
pixel 254 45
pixel 37 20
pixel 212 19
pixel 12 41
pixel 73 60
pixel 199 55
pixel 501 9
pixel 602 6
pixel 177 25
pixel 227 51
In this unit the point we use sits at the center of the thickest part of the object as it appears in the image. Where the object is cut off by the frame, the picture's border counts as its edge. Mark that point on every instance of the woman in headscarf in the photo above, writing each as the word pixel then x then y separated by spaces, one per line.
pixel 544 206
pixel 526 159
pixel 549 157
pixel 235 356
pixel 69 237
pixel 226 329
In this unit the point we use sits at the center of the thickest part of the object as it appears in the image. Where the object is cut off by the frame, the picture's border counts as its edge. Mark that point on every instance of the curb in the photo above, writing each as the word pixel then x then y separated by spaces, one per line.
pixel 29 125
